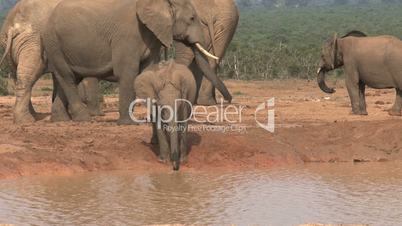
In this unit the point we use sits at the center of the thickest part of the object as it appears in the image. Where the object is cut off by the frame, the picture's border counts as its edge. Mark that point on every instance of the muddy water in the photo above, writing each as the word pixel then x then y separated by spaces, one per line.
pixel 345 193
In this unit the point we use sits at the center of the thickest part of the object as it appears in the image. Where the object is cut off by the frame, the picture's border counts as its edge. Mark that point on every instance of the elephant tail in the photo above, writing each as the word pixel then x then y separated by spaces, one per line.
pixel 10 37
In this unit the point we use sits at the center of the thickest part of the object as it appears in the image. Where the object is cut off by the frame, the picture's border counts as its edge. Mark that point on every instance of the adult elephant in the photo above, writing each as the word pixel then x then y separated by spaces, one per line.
pixel 20 37
pixel 219 20
pixel 111 38
pixel 367 61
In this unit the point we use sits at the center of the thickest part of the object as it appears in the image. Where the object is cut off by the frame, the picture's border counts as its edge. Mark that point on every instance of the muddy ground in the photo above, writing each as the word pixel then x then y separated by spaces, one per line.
pixel 310 127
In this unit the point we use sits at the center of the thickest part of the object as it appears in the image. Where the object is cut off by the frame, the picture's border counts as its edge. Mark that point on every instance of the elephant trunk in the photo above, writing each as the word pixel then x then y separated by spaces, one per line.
pixel 321 82
pixel 174 145
pixel 211 75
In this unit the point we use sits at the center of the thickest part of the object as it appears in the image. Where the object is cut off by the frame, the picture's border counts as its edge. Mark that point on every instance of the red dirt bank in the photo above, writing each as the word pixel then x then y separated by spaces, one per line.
pixel 311 127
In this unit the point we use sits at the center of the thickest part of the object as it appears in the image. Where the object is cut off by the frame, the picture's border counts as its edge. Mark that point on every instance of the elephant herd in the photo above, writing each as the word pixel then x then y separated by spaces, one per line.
pixel 91 36
pixel 82 42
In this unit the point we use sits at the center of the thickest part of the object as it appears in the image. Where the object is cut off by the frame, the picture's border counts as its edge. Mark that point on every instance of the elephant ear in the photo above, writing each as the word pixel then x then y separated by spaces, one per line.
pixel 157 16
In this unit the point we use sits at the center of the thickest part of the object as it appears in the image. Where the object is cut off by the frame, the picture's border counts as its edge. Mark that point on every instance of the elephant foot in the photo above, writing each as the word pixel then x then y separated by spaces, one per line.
pixel 163 160
pixel 60 116
pixel 183 159
pixel 394 112
pixel 23 118
pixel 82 116
pixel 176 166
pixel 359 112
pixel 206 101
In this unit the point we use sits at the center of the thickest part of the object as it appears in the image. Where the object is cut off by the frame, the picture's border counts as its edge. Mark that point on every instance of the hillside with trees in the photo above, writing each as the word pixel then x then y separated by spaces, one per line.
pixel 305 3
pixel 282 38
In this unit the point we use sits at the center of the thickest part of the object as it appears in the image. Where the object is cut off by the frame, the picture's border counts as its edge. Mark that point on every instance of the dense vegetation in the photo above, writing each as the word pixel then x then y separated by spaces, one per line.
pixel 307 3
pixel 5 5
pixel 282 38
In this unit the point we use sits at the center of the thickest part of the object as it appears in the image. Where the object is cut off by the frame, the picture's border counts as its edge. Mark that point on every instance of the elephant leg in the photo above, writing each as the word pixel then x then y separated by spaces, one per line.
pixel 89 92
pixel 164 146
pixel 32 109
pixel 183 137
pixel 183 144
pixel 154 139
pixel 396 109
pixel 59 105
pixel 126 74
pixel 66 80
pixel 160 137
pixel 362 98
pixel 29 69
pixel 352 85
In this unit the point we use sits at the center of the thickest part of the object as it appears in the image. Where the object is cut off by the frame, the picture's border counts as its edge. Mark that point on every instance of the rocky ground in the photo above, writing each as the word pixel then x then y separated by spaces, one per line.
pixel 310 127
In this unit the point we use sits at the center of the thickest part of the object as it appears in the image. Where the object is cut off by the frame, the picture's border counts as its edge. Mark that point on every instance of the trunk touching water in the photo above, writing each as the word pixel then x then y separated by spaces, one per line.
pixel 210 75
pixel 321 82
pixel 174 145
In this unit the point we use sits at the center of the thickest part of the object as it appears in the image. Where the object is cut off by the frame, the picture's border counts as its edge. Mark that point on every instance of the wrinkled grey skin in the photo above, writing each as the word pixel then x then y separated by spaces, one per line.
pixel 371 61
pixel 166 83
pixel 20 37
pixel 219 19
pixel 111 38
pixel 90 95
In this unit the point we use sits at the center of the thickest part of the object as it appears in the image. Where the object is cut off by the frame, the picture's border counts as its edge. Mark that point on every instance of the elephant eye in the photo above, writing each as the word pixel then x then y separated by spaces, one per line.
pixel 192 18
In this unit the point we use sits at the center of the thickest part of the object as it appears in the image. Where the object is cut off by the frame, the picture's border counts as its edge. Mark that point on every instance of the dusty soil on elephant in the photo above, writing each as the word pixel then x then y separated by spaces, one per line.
pixel 309 127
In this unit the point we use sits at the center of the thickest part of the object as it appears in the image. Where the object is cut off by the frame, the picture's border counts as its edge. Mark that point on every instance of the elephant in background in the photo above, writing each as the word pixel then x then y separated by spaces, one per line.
pixel 219 20
pixel 112 39
pixel 20 37
pixel 169 84
pixel 372 61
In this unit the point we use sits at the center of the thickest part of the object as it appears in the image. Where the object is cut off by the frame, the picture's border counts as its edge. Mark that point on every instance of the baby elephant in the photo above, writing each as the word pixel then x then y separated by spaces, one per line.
pixel 372 61
pixel 172 89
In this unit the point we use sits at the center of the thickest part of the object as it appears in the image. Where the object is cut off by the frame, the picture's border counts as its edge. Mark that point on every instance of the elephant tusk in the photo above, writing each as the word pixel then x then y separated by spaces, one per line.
pixel 319 70
pixel 205 52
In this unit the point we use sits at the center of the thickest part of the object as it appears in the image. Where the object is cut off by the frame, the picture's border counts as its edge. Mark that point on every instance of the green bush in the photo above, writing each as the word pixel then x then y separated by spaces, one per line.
pixel 108 88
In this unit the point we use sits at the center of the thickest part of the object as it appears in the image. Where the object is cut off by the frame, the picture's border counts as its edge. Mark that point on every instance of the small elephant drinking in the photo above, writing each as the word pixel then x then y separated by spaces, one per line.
pixel 172 88
pixel 372 61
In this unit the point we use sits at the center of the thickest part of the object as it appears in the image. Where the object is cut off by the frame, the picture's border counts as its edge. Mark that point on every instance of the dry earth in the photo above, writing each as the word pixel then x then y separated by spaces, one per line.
pixel 310 127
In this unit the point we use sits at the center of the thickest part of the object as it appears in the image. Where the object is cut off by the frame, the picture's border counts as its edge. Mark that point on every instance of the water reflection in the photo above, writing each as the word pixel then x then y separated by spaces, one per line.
pixel 337 193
